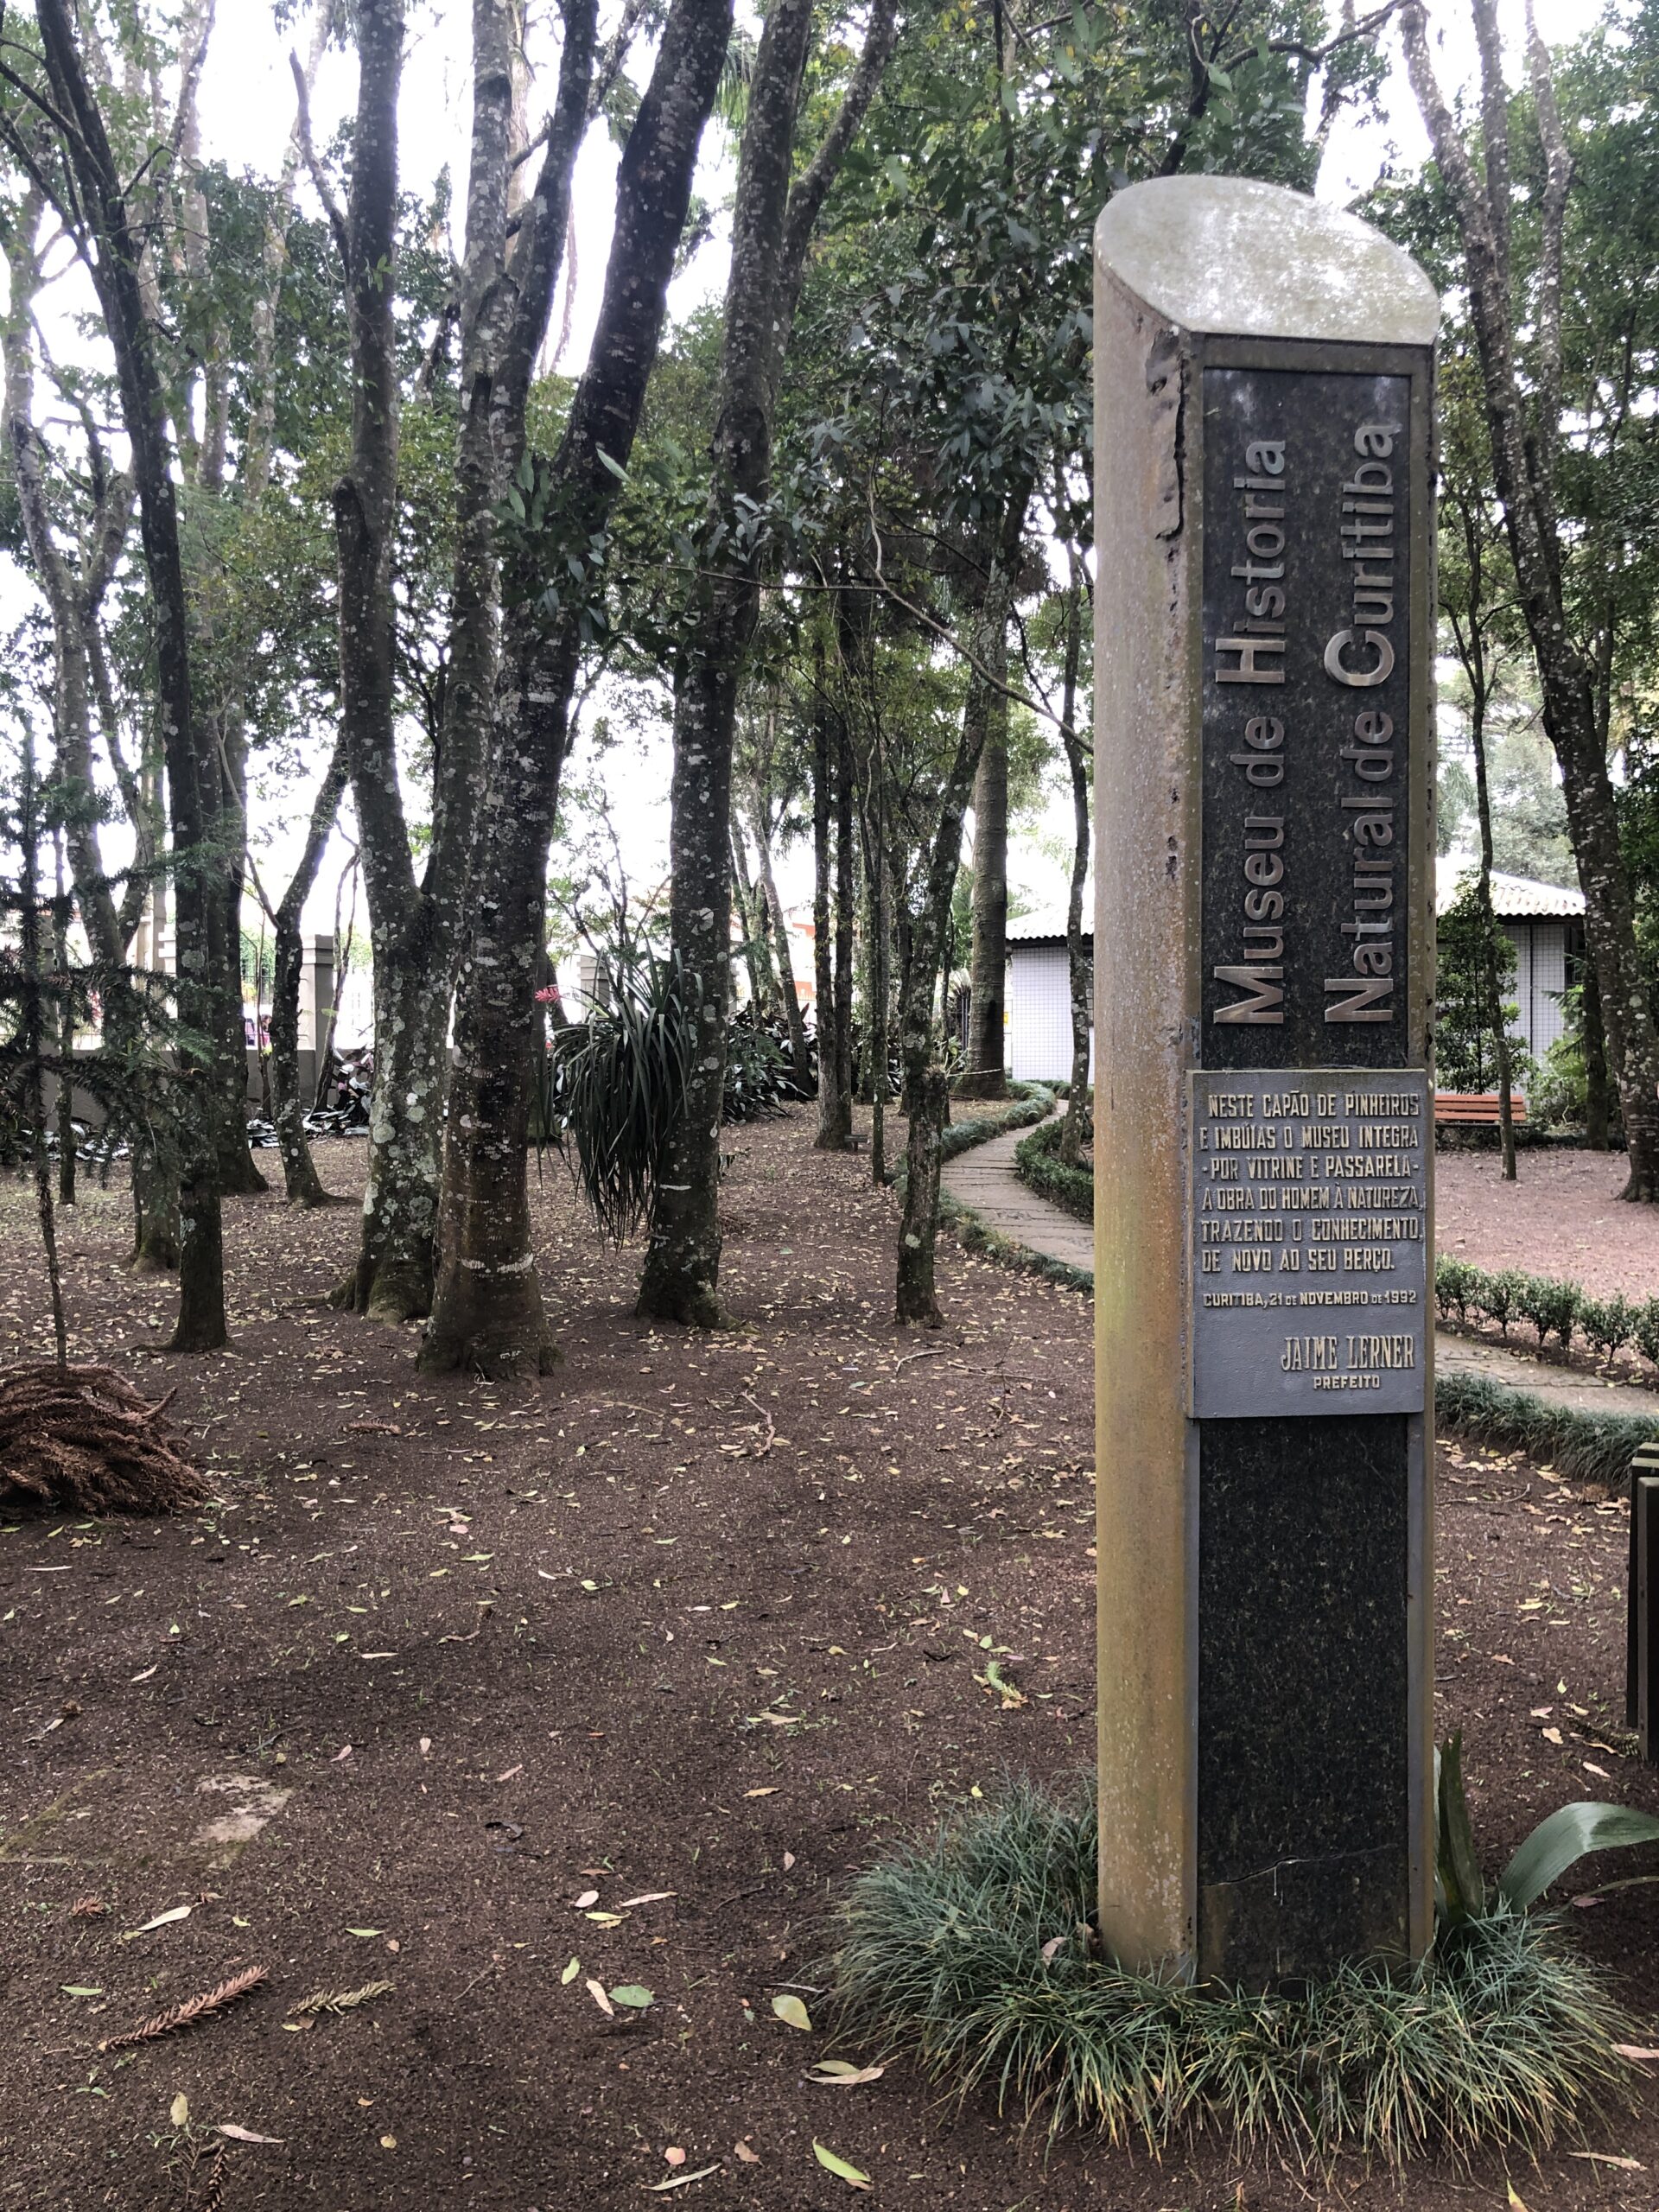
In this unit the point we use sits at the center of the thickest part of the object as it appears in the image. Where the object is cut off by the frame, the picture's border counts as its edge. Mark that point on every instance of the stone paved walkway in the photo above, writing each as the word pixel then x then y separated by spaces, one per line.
pixel 984 1180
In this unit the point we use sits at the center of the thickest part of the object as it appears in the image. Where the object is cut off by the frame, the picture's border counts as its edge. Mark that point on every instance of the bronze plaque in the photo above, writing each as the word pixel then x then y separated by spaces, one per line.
pixel 1309 1261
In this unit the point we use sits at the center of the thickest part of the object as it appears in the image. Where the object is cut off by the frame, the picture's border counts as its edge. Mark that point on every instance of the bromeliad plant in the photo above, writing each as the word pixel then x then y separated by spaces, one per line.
pixel 1569 1834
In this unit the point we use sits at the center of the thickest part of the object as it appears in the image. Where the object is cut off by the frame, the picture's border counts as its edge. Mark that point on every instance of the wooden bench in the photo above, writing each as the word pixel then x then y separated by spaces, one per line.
pixel 1476 1109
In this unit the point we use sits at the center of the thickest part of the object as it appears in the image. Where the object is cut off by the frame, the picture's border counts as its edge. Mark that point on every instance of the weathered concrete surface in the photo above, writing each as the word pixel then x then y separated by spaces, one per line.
pixel 984 1179
pixel 1556 1386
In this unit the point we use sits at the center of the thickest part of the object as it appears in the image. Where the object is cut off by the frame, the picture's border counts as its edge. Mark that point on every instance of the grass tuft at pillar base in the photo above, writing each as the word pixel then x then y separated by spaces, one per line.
pixel 1503 2039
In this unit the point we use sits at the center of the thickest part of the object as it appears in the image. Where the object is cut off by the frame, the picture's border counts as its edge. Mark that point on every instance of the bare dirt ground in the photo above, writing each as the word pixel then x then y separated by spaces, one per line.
pixel 1562 1215
pixel 695 1627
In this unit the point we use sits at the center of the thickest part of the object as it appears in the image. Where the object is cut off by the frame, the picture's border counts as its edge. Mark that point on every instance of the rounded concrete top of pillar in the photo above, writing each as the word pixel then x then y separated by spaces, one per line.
pixel 1232 258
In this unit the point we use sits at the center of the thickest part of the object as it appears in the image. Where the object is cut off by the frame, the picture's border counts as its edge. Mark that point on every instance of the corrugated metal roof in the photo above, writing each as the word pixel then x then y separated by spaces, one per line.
pixel 1048 925
pixel 1515 898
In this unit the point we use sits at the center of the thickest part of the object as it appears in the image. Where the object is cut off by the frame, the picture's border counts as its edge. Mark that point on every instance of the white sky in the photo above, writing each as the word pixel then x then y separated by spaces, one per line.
pixel 247 106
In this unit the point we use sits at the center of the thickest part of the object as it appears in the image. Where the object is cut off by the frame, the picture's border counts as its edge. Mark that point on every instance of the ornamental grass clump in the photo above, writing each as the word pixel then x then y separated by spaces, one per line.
pixel 975 1956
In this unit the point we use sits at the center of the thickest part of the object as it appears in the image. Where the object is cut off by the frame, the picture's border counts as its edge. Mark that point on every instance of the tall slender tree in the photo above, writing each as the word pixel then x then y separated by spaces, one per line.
pixel 93 200
pixel 773 225
pixel 488 1312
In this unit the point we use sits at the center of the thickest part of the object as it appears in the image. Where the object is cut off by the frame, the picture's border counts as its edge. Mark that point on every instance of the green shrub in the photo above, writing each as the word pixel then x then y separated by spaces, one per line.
pixel 1647 1331
pixel 1497 1296
pixel 1455 1281
pixel 1608 1324
pixel 1552 1306
pixel 1038 1165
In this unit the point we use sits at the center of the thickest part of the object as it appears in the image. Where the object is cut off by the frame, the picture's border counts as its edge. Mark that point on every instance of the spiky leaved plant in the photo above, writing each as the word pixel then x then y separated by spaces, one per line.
pixel 975 1956
pixel 617 1089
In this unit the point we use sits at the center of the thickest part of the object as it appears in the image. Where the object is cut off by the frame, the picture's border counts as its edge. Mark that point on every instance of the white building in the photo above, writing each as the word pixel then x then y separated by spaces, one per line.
pixel 1037 999
pixel 1543 922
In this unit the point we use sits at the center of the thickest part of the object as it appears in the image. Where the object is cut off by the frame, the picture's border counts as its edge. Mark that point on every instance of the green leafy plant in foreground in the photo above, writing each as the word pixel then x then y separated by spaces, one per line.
pixel 976 1955
pixel 1560 1840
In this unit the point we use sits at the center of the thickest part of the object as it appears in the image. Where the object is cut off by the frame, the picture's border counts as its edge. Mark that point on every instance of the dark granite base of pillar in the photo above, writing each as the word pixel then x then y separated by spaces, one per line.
pixel 1303 1812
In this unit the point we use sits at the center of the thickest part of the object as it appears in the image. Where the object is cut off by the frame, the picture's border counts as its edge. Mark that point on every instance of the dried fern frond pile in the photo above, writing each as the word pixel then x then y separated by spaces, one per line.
pixel 84 1439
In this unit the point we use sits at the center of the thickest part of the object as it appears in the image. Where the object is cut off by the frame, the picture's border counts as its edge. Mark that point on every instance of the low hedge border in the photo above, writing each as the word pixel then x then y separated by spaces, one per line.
pixel 1583 1446
pixel 1038 1164
pixel 1552 1306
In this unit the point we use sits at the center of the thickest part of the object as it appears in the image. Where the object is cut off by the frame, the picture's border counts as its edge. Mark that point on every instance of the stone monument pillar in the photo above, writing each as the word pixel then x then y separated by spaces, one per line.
pixel 1264 947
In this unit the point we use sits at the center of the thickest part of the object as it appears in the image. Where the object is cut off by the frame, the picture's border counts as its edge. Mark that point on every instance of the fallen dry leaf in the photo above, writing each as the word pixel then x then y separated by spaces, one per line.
pixel 245 2135
pixel 162 1920
pixel 1607 2158
pixel 596 1990
pixel 744 2154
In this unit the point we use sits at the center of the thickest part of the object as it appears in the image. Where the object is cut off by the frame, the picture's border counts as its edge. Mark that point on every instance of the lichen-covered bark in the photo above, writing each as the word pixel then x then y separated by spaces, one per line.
pixel 487 1314
pixel 919 1228
pixel 392 1279
pixel 772 227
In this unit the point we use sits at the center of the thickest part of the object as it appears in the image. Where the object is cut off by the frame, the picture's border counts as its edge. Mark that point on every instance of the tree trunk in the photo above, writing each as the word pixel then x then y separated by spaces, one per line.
pixel 881 963
pixel 237 1176
pixel 683 1259
pixel 846 915
pixel 926 1094
pixel 65 1039
pixel 1598 1090
pixel 303 1183
pixel 984 1076
pixel 916 1299
pixel 787 993
pixel 762 988
pixel 116 275
pixel 1078 963
pixel 487 1314
pixel 832 1135
pixel 772 224
pixel 1489 928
